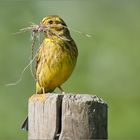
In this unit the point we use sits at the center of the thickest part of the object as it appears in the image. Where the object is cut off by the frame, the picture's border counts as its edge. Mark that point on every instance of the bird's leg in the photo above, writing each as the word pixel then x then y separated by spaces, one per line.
pixel 43 89
pixel 62 91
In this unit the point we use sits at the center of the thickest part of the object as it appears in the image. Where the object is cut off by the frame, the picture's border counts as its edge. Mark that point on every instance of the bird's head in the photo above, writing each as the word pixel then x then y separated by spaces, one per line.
pixel 55 25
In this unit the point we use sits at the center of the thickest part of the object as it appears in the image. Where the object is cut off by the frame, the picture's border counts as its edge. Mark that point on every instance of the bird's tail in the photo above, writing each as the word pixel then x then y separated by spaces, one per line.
pixel 24 125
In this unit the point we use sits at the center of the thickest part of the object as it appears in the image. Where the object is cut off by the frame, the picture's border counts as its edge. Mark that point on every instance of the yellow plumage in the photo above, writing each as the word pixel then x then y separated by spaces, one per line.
pixel 56 57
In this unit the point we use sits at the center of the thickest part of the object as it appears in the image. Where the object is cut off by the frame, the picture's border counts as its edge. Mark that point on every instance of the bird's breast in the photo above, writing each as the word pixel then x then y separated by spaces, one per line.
pixel 56 63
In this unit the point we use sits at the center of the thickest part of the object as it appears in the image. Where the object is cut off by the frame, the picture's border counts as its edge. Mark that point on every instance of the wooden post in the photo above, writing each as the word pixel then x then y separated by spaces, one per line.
pixel 67 117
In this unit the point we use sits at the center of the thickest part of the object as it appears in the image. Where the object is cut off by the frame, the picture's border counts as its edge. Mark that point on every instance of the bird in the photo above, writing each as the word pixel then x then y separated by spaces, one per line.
pixel 56 57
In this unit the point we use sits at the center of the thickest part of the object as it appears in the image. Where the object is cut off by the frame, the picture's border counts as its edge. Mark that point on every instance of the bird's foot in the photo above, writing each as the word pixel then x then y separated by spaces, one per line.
pixel 62 91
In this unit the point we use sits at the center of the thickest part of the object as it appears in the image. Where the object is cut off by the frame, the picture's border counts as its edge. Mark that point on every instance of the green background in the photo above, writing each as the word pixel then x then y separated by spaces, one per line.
pixel 108 63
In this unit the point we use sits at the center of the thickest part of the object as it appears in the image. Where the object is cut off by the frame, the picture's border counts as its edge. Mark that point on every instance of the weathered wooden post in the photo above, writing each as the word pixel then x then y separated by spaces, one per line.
pixel 67 117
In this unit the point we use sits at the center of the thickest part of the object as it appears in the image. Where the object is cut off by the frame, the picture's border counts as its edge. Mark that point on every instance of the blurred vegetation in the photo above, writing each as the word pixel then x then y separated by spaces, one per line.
pixel 108 63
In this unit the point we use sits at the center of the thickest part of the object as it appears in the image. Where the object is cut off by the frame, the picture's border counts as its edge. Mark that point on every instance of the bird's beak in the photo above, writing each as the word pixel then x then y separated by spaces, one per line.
pixel 42 28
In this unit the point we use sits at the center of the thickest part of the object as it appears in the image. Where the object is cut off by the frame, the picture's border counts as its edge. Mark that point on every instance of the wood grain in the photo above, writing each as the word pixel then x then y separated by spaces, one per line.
pixel 67 117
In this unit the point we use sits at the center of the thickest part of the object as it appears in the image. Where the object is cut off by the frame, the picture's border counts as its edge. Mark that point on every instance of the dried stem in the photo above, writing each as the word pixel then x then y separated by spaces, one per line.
pixel 35 29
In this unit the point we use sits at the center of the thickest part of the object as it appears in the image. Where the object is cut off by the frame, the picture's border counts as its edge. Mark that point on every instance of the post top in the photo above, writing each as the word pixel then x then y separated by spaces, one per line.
pixel 67 96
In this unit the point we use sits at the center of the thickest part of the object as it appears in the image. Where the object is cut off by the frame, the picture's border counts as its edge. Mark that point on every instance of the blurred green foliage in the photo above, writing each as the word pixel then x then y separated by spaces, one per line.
pixel 108 63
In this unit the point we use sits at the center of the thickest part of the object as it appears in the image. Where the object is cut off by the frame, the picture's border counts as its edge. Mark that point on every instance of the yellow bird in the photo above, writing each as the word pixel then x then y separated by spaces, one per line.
pixel 56 57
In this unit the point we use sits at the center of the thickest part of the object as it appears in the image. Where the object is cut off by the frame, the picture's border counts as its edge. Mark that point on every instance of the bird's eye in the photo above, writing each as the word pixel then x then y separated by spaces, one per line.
pixel 50 22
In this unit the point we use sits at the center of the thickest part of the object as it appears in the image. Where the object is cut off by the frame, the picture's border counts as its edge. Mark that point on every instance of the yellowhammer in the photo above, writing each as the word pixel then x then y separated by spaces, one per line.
pixel 56 58
pixel 57 55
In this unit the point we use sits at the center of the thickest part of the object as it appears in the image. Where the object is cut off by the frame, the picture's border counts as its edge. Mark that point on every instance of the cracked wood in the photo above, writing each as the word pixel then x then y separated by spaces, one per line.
pixel 69 116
